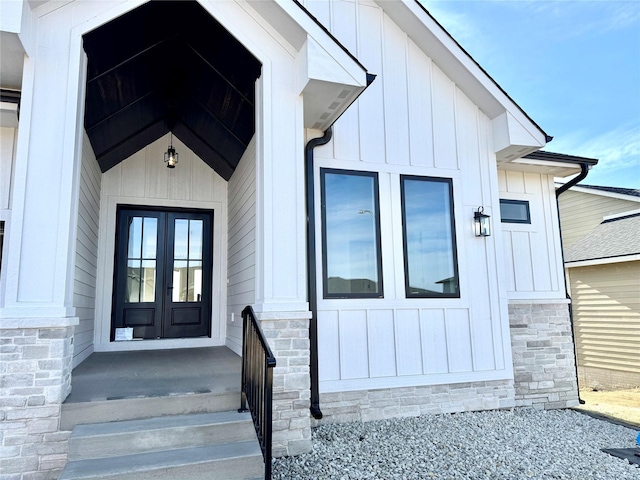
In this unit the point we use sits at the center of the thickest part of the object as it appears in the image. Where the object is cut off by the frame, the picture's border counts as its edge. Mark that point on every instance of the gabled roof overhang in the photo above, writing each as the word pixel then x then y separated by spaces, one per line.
pixel 515 134
pixel 328 76
pixel 549 163
pixel 205 94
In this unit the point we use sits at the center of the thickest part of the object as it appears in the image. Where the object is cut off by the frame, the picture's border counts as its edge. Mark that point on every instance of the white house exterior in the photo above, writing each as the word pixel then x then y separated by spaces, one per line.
pixel 406 324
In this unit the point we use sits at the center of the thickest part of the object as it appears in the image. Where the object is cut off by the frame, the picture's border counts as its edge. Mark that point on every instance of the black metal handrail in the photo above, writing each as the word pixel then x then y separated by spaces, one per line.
pixel 257 382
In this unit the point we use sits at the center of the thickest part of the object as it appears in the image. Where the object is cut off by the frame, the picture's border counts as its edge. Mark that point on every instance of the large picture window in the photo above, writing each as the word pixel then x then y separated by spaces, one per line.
pixel 431 266
pixel 352 264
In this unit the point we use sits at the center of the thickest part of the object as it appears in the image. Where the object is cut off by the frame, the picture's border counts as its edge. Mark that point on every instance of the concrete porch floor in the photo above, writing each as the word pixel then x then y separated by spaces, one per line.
pixel 155 373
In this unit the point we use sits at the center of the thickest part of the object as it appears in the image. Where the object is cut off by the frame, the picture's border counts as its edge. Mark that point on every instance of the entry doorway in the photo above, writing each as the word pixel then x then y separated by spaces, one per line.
pixel 162 276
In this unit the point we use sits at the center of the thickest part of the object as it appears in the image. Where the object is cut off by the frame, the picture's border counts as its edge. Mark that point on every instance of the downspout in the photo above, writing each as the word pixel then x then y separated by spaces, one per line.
pixel 584 170
pixel 312 288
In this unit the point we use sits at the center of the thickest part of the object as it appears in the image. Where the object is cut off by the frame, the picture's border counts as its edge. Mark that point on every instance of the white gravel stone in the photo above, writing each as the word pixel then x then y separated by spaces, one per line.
pixel 523 443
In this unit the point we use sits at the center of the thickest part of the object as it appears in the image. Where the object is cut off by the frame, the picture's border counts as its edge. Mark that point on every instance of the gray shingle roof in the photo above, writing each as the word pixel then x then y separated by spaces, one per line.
pixel 624 191
pixel 612 238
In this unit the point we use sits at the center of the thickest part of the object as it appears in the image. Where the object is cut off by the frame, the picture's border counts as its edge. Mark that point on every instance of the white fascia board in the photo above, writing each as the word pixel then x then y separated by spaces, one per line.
pixel 557 169
pixel 603 261
pixel 464 71
pixel 628 213
pixel 602 193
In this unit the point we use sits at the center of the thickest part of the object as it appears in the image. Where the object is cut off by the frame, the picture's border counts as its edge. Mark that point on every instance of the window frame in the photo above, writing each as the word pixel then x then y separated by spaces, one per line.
pixel 378 241
pixel 508 201
pixel 454 243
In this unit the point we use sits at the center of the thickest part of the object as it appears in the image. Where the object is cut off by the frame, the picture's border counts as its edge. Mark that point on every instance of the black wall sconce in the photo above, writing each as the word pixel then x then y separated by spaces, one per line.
pixel 481 223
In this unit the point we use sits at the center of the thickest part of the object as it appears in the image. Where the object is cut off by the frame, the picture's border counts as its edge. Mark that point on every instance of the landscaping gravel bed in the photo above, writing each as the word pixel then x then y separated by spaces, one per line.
pixel 509 444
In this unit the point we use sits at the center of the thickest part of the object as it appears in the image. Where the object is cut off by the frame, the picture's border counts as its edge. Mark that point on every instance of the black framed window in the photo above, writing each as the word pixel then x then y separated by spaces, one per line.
pixel 351 258
pixel 514 211
pixel 430 254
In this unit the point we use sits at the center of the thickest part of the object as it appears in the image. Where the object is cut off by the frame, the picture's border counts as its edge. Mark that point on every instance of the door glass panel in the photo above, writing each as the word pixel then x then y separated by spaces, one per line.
pixel 149 240
pixel 187 261
pixel 180 274
pixel 141 259
pixel 181 240
pixel 133 281
pixel 195 282
pixel 135 237
pixel 195 239
pixel 148 287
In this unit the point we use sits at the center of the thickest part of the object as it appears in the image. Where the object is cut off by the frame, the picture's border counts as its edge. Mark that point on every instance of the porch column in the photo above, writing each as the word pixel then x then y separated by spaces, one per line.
pixel 36 315
pixel 280 303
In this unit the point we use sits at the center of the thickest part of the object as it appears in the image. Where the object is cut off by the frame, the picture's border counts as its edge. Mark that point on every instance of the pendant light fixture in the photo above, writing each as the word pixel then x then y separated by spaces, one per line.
pixel 171 156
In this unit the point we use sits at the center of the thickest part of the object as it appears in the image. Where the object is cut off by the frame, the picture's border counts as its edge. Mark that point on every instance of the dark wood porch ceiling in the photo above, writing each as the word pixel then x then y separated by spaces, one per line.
pixel 169 66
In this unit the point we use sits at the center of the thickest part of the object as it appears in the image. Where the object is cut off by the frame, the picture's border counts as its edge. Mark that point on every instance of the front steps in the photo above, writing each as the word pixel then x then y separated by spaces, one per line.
pixel 219 445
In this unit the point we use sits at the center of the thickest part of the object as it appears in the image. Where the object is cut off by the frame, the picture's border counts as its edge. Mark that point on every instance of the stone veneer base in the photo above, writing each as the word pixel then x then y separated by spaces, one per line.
pixel 368 405
pixel 543 355
pixel 289 341
pixel 35 369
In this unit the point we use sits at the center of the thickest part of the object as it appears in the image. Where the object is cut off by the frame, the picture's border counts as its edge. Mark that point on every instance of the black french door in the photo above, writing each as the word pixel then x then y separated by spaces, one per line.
pixel 162 278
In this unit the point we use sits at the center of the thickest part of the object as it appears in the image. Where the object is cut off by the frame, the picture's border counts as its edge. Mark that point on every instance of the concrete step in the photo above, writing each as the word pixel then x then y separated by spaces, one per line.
pixel 100 411
pixel 240 460
pixel 161 433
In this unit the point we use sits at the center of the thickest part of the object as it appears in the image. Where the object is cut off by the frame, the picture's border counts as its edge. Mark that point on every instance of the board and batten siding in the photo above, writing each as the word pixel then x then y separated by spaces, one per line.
pixel 606 312
pixel 581 212
pixel 86 259
pixel 532 252
pixel 411 120
pixel 144 180
pixel 241 240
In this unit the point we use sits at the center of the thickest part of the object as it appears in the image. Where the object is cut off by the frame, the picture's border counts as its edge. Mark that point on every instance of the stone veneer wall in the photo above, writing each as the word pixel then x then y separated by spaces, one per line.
pixel 543 355
pixel 289 341
pixel 35 370
pixel 368 405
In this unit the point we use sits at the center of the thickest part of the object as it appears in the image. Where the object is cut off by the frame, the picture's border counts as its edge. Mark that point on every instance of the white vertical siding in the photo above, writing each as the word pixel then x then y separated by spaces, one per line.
pixel 86 261
pixel 531 252
pixel 412 120
pixel 7 141
pixel 144 180
pixel 241 274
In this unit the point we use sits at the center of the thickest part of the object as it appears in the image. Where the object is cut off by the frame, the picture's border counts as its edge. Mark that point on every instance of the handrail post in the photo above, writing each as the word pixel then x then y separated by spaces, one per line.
pixel 256 394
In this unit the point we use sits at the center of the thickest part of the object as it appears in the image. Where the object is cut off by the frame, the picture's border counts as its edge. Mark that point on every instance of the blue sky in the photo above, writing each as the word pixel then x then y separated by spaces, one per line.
pixel 572 65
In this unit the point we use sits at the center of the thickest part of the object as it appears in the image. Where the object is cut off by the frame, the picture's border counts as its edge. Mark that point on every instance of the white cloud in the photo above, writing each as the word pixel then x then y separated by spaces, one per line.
pixel 616 149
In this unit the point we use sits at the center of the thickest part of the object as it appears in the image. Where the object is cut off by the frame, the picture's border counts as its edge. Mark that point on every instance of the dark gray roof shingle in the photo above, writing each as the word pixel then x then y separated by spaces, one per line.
pixel 624 191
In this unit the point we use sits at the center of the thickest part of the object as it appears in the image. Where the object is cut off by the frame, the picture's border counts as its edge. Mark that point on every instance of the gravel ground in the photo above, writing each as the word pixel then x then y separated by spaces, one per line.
pixel 508 444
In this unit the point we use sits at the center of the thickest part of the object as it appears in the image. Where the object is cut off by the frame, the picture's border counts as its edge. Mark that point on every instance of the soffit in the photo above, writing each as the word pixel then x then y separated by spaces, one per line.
pixel 169 66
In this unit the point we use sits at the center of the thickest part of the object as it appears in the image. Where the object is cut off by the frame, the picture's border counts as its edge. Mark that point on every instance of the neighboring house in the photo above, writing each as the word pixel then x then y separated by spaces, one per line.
pixel 601 237
pixel 384 303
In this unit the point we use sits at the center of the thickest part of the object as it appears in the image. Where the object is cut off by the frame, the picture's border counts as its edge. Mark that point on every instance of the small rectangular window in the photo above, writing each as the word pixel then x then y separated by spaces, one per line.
pixel 352 263
pixel 431 263
pixel 514 211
